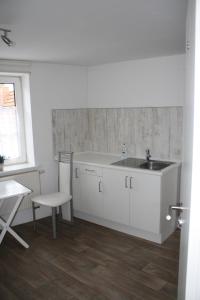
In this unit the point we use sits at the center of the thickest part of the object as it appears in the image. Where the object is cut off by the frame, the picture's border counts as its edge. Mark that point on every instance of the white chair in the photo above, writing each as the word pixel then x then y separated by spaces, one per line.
pixel 64 194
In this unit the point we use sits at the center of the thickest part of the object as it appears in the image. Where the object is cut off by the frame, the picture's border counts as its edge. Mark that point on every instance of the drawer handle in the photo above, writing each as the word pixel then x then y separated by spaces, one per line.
pixel 100 189
pixel 89 170
pixel 131 182
pixel 126 182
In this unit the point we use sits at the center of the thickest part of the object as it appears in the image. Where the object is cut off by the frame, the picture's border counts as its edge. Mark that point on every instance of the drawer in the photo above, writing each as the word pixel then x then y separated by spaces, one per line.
pixel 90 170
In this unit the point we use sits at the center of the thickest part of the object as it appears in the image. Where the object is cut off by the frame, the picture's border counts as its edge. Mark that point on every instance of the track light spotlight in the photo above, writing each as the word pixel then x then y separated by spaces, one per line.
pixel 5 38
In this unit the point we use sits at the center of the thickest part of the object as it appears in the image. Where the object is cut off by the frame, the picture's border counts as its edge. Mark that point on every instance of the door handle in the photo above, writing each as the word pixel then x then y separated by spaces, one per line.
pixel 76 173
pixel 131 182
pixel 126 182
pixel 100 189
pixel 179 207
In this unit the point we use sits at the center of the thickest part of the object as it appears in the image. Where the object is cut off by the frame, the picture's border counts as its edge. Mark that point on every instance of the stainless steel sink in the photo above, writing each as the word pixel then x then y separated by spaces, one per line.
pixel 155 165
pixel 131 162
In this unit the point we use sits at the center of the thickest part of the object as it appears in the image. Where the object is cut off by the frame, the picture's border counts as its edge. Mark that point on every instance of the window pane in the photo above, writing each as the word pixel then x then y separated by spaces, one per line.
pixel 9 135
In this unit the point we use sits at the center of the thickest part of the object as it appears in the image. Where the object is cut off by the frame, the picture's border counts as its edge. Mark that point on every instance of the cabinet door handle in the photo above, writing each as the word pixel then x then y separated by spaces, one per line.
pixel 131 182
pixel 89 170
pixel 76 173
pixel 126 182
pixel 100 190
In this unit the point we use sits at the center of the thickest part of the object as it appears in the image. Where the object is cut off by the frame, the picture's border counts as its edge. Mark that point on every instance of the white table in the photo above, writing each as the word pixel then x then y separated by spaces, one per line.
pixel 10 189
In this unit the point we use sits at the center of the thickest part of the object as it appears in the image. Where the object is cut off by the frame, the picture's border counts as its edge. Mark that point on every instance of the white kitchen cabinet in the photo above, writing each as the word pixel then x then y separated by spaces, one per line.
pixel 87 190
pixel 116 196
pixel 91 200
pixel 132 198
pixel 145 192
pixel 135 202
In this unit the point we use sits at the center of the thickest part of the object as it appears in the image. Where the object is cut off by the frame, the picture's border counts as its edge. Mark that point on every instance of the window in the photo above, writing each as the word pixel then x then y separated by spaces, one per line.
pixel 12 132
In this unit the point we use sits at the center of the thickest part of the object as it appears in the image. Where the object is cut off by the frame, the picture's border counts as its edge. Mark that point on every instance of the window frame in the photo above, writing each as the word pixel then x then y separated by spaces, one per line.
pixel 17 80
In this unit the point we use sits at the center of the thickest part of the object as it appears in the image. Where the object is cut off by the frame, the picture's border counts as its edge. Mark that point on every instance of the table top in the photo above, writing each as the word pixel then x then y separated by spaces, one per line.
pixel 12 188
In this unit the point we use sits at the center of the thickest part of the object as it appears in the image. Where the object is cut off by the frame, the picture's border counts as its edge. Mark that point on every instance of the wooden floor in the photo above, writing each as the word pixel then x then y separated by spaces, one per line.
pixel 87 261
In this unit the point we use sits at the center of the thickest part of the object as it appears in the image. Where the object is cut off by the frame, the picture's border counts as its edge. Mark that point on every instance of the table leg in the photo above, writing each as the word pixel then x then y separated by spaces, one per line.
pixel 6 225
pixel 3 232
pixel 17 237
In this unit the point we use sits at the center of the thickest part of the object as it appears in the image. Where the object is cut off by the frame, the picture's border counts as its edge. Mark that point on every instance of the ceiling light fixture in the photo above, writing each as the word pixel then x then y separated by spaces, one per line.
pixel 5 38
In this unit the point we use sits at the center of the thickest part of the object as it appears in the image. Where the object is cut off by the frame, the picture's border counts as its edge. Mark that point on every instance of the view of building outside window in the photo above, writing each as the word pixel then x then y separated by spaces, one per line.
pixel 9 135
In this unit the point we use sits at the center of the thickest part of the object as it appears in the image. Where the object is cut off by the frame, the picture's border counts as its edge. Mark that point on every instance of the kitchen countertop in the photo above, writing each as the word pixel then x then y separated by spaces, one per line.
pixel 96 158
pixel 105 160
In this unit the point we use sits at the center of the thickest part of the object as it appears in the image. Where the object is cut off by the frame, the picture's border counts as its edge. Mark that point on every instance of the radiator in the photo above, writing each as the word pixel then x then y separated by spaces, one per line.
pixel 29 179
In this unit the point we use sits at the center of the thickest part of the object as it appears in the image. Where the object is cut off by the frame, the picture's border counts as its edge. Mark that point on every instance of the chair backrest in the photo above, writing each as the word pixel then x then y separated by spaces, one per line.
pixel 65 169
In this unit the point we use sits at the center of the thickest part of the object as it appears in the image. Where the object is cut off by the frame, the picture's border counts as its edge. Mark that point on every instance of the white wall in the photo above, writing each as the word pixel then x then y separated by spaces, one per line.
pixel 139 83
pixel 53 86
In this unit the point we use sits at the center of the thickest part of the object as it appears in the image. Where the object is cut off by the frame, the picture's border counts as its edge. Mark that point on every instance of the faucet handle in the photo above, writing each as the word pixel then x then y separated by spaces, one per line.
pixel 148 155
pixel 148 151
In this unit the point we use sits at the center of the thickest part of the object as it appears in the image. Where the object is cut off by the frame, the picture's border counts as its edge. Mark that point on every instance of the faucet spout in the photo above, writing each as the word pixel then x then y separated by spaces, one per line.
pixel 148 154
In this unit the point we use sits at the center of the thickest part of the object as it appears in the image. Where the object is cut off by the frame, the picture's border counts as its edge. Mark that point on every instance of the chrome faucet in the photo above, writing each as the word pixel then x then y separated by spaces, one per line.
pixel 148 155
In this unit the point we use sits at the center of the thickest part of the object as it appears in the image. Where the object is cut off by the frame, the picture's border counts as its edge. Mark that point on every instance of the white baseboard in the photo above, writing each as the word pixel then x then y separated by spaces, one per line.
pixel 120 227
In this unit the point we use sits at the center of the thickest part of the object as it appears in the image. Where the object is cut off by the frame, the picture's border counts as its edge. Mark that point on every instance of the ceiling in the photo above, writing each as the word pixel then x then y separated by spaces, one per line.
pixel 91 32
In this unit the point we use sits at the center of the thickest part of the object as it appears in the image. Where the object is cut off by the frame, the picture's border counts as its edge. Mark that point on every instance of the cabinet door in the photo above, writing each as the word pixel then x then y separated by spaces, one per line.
pixel 145 202
pixel 76 186
pixel 116 196
pixel 91 199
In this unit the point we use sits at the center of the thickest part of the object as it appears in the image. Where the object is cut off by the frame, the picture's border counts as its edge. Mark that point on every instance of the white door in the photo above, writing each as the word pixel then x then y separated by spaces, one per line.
pixel 189 269
pixel 145 202
pixel 91 196
pixel 116 196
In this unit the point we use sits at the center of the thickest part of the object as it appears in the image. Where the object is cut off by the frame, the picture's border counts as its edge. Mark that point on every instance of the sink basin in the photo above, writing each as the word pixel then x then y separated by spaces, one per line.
pixel 155 165
pixel 131 162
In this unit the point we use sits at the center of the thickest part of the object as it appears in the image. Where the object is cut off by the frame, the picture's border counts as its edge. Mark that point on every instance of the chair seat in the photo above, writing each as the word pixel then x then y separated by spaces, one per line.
pixel 52 200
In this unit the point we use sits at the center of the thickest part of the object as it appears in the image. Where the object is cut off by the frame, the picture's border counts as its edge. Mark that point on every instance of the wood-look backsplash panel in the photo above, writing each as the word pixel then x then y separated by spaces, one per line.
pixel 105 129
pixel 70 130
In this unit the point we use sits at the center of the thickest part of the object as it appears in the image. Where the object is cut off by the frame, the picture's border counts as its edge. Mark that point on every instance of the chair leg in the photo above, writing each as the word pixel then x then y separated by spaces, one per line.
pixel 71 211
pixel 60 213
pixel 54 221
pixel 34 217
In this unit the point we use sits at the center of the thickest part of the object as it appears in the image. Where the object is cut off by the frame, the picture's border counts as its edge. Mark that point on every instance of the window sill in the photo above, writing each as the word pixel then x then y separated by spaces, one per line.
pixel 17 169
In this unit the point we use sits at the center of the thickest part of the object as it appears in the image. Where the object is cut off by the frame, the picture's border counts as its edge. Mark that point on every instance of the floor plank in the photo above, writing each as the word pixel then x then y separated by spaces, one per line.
pixel 87 261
